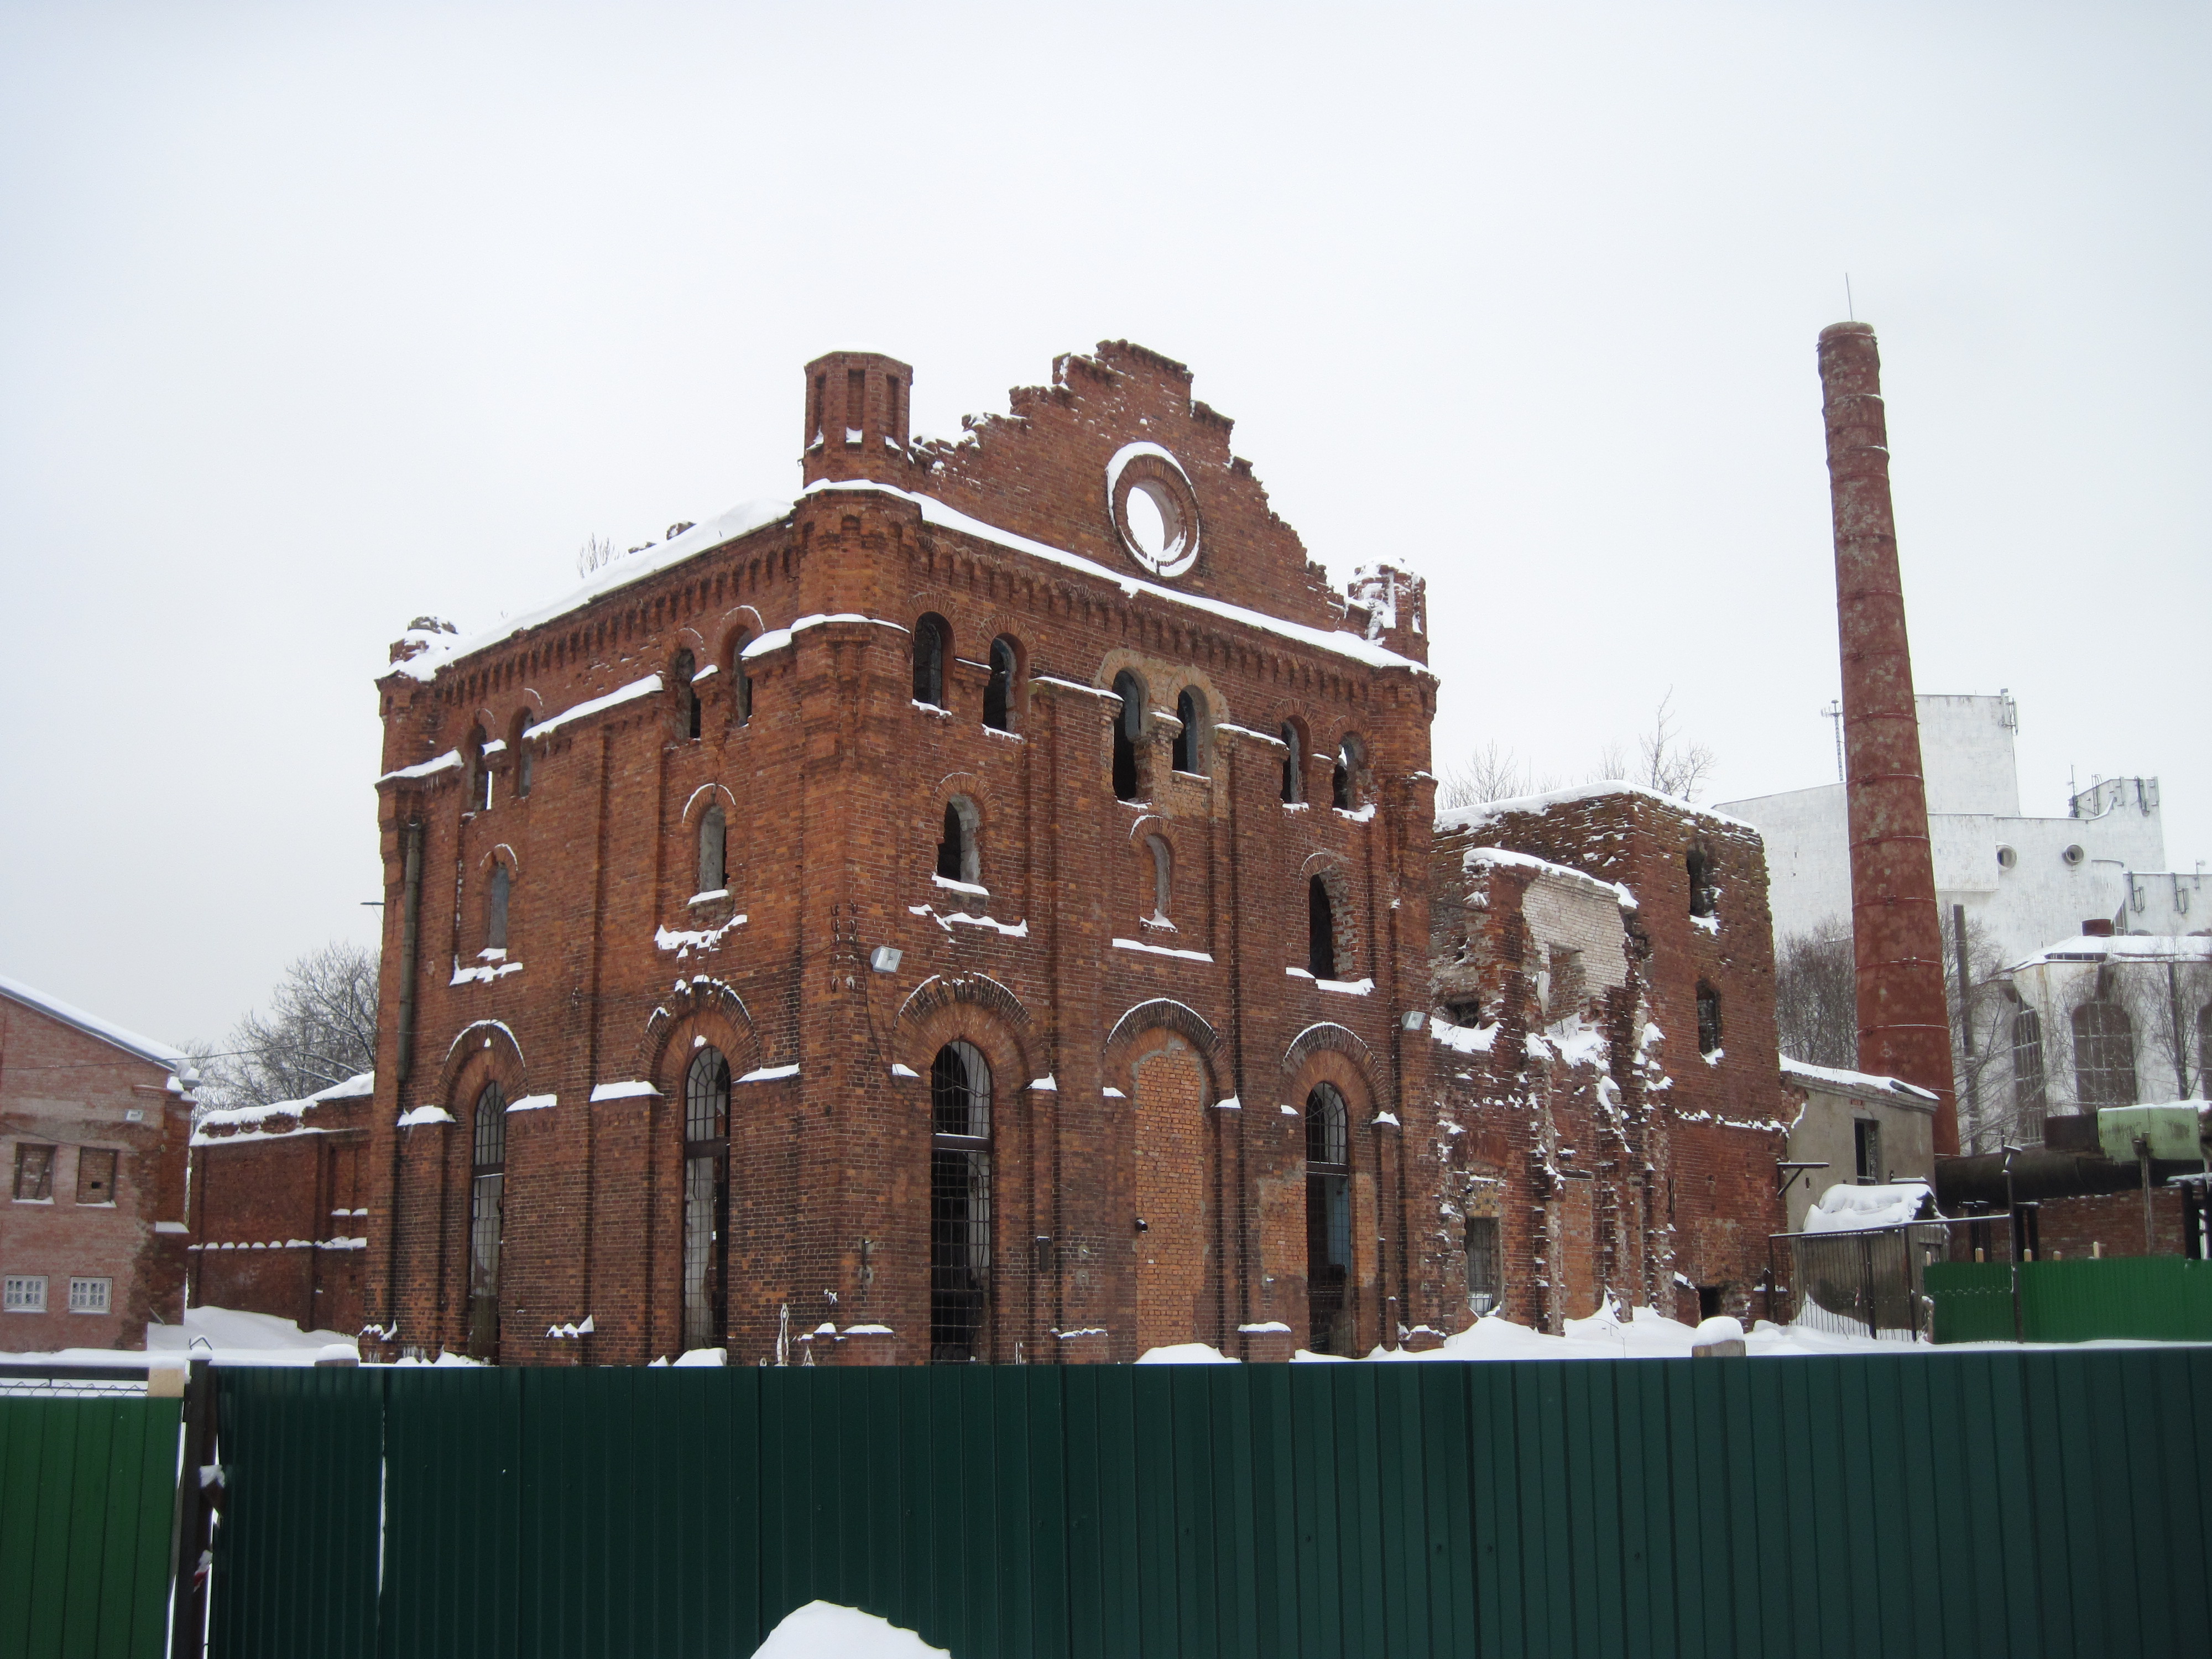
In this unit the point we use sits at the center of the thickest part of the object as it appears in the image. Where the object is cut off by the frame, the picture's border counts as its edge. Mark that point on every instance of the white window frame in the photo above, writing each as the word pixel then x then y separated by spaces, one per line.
pixel 88 1288
pixel 24 1293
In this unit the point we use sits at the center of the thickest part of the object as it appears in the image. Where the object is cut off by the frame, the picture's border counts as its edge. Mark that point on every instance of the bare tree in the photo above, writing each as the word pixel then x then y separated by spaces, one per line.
pixel 595 554
pixel 1668 763
pixel 1613 765
pixel 319 1028
pixel 1981 1042
pixel 1816 997
pixel 1489 773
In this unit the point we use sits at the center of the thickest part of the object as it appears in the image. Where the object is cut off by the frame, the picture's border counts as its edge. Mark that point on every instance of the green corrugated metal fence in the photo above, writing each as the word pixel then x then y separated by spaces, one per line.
pixel 1999 1504
pixel 88 1495
pixel 2157 1298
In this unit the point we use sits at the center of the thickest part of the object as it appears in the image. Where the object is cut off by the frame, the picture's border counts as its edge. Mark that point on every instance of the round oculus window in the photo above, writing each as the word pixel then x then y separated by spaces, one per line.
pixel 1155 514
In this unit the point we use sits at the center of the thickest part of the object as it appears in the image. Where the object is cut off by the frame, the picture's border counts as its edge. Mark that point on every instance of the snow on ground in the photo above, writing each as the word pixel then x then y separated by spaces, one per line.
pixel 823 1629
pixel 221 1334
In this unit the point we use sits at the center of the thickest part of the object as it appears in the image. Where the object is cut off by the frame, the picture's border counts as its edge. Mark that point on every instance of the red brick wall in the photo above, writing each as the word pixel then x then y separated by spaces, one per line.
pixel 835 789
pixel 279 1215
pixel 64 1089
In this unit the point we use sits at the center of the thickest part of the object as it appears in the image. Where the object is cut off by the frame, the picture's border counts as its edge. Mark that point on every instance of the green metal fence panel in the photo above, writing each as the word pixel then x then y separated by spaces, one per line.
pixel 2014 1504
pixel 87 1494
pixel 2161 1298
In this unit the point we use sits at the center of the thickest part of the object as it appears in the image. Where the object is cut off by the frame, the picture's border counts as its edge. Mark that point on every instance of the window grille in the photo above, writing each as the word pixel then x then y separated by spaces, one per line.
pixel 1328 1219
pixel 487 1214
pixel 89 1296
pixel 959 1203
pixel 2028 1096
pixel 24 1293
pixel 1709 1020
pixel 2104 1054
pixel 998 695
pixel 1484 1279
pixel 931 647
pixel 34 1172
pixel 705 1199
pixel 1294 760
pixel 496 909
pixel 713 851
pixel 1129 728
pixel 1320 930
pixel 95 1174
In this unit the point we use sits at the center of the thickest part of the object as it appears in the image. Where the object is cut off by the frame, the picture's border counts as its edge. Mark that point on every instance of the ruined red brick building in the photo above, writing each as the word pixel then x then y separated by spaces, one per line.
pixel 93 1125
pixel 980 909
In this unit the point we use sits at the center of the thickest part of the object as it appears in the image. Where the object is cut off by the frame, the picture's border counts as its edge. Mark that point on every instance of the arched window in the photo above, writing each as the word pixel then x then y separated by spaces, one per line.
pixel 1294 763
pixel 1320 930
pixel 706 1198
pixel 1129 728
pixel 959 1202
pixel 1343 781
pixel 1708 1019
pixel 741 684
pixel 1162 876
pixel 487 1212
pixel 998 694
pixel 1190 744
pixel 2104 1054
pixel 713 851
pixel 523 756
pixel 680 673
pixel 1328 1219
pixel 958 859
pixel 933 643
pixel 479 771
pixel 1701 887
pixel 496 908
pixel 2027 1085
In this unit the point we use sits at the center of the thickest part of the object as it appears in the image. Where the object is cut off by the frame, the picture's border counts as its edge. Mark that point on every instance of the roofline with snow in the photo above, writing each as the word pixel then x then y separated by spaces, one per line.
pixel 173 1059
pixel 1474 817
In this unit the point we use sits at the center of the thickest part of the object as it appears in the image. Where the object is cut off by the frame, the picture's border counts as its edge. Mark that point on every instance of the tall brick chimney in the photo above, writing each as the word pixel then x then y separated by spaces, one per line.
pixel 1897 931
pixel 856 417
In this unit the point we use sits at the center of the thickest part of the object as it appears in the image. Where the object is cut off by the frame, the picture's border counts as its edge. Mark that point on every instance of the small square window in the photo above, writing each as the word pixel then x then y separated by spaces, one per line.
pixel 95 1174
pixel 34 1172
pixel 86 1296
pixel 24 1293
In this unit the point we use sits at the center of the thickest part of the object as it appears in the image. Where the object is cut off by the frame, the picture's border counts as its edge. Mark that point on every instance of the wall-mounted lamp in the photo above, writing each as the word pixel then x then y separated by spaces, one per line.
pixel 884 960
pixel 1413 1019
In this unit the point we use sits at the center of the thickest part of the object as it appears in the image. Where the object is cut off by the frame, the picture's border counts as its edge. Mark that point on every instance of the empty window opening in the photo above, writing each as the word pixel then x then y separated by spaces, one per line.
pixel 856 404
pixel 1163 878
pixel 1129 728
pixel 496 908
pixel 1709 1301
pixel 523 757
pixel 1328 1220
pixel 1708 1019
pixel 479 771
pixel 1294 782
pixel 487 1215
pixel 1568 986
pixel 34 1172
pixel 1701 889
pixel 688 720
pixel 1344 779
pixel 999 693
pixel 1865 1151
pixel 814 407
pixel 1190 744
pixel 2029 1098
pixel 893 426
pixel 741 684
pixel 705 1199
pixel 1484 1276
pixel 932 641
pixel 95 1174
pixel 959 1203
pixel 2104 1054
pixel 957 857
pixel 1320 930
pixel 714 852
pixel 1464 1011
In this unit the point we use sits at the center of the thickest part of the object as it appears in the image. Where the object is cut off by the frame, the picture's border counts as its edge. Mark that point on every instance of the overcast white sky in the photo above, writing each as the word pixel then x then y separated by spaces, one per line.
pixel 313 317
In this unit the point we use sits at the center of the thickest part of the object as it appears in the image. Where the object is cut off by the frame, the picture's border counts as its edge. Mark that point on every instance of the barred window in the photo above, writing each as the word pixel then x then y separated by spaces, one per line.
pixel 95 1174
pixel 90 1296
pixel 1328 1219
pixel 34 1172
pixel 959 1203
pixel 487 1214
pixel 1483 1262
pixel 705 1199
pixel 2104 1054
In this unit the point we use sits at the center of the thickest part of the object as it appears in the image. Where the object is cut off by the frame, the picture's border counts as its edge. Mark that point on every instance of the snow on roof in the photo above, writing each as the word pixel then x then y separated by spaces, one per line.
pixel 647 687
pixel 160 1054
pixel 248 1119
pixel 2123 947
pixel 1865 1083
pixel 1483 812
pixel 1493 857
pixel 1844 1208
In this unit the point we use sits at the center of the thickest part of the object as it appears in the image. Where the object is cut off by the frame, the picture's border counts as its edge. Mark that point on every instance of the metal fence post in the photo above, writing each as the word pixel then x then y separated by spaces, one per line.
pixel 189 1529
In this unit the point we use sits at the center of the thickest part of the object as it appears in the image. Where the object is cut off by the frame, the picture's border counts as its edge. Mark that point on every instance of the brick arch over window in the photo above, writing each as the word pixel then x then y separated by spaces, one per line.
pixel 1141 1027
pixel 919 1018
pixel 480 1052
pixel 697 1007
pixel 1329 1037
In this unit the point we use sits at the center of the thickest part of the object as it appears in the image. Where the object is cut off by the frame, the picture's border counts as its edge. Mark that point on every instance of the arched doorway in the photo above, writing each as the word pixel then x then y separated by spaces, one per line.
pixel 959 1204
pixel 1328 1220
pixel 1172 1197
